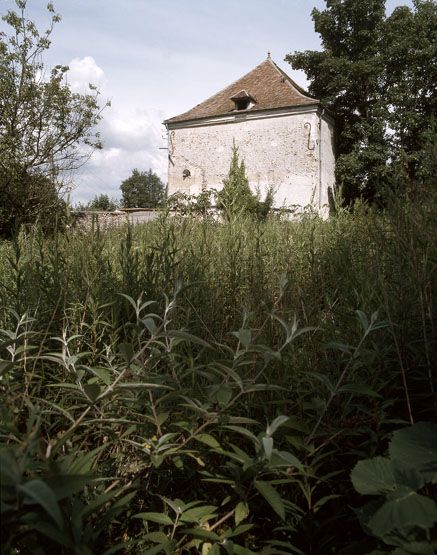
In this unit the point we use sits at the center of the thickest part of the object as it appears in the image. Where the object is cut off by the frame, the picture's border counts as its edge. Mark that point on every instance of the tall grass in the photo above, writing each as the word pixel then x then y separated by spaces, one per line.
pixel 150 341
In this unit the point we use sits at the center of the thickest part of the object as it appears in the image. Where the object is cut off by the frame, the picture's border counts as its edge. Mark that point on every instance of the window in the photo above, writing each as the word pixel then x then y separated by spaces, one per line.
pixel 242 104
pixel 243 101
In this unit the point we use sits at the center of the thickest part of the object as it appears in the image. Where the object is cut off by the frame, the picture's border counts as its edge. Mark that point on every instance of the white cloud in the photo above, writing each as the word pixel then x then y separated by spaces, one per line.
pixel 83 72
pixel 132 139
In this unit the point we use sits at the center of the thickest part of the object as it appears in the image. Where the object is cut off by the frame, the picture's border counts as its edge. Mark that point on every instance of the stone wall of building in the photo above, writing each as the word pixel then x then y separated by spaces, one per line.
pixel 107 220
pixel 289 151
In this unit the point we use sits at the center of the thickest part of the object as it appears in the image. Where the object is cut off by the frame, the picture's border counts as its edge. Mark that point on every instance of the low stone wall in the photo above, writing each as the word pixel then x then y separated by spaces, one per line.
pixel 106 220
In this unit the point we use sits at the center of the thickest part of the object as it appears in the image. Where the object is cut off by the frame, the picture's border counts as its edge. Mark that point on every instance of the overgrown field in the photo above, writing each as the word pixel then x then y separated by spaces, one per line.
pixel 188 386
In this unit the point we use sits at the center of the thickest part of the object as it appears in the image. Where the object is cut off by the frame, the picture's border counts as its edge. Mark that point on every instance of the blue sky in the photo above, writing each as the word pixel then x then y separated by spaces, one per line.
pixel 154 59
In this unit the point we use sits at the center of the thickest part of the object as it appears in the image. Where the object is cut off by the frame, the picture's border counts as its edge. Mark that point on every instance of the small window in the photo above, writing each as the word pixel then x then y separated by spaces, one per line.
pixel 243 100
pixel 242 104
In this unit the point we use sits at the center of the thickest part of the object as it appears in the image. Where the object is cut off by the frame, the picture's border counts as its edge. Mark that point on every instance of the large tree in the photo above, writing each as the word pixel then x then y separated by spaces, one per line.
pixel 142 190
pixel 409 87
pixel 376 74
pixel 46 130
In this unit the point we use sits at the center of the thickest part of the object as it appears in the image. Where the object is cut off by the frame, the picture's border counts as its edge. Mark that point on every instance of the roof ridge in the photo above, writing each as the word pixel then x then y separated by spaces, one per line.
pixel 290 81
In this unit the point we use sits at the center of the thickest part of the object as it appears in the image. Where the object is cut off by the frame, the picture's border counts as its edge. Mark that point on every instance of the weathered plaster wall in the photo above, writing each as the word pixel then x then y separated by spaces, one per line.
pixel 327 160
pixel 282 152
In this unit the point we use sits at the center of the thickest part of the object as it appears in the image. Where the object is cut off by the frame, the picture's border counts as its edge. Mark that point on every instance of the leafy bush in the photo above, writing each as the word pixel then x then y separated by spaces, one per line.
pixel 401 516
pixel 226 376
pixel 236 199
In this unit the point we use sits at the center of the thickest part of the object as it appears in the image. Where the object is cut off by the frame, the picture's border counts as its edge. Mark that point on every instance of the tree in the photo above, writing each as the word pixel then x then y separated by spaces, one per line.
pixel 102 202
pixel 409 48
pixel 46 130
pixel 236 197
pixel 142 190
pixel 377 76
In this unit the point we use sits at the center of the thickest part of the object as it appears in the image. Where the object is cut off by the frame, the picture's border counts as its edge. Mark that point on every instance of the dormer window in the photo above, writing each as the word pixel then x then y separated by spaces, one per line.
pixel 243 100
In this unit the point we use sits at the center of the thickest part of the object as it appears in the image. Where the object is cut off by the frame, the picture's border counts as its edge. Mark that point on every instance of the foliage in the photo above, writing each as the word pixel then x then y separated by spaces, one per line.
pixel 28 201
pixel 220 379
pixel 45 129
pixel 193 205
pixel 100 202
pixel 403 517
pixel 53 503
pixel 377 76
pixel 236 199
pixel 142 190
pixel 409 47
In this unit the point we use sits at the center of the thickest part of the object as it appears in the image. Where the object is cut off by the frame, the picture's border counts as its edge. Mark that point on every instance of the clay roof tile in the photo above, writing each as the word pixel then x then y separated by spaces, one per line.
pixel 267 83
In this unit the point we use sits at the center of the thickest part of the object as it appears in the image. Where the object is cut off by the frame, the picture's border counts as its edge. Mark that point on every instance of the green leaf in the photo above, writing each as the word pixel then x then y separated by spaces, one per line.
pixel 150 324
pixel 66 485
pixel 176 504
pixel 126 351
pixel 160 518
pixel 5 366
pixel 224 395
pixel 201 533
pixel 198 514
pixel 83 464
pixel 268 446
pixel 207 439
pixel 157 537
pixel 240 550
pixel 416 446
pixel 319 504
pixel 244 432
pixel 362 317
pixel 155 550
pixel 37 491
pixel 409 509
pixel 278 421
pixel 245 337
pixel 238 530
pixel 416 548
pixel 408 476
pixel 92 391
pixel 359 389
pixel 101 373
pixel 188 337
pixel 290 459
pixel 271 496
pixel 65 385
pixel 373 476
pixel 241 512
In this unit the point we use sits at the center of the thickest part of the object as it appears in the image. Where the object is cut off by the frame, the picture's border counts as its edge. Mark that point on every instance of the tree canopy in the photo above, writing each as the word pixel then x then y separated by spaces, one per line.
pixel 142 190
pixel 377 74
pixel 102 202
pixel 46 130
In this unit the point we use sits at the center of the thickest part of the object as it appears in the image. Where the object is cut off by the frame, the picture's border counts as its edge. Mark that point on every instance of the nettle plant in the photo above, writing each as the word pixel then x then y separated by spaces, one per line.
pixel 404 515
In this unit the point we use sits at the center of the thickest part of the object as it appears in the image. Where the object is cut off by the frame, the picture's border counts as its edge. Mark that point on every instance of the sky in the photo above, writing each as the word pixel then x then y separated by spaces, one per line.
pixel 154 59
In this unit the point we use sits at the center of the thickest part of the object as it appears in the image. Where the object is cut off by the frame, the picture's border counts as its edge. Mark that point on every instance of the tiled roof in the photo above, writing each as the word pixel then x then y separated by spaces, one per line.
pixel 267 84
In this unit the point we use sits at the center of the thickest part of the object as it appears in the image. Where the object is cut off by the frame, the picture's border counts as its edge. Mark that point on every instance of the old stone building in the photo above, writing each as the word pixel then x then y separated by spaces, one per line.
pixel 283 135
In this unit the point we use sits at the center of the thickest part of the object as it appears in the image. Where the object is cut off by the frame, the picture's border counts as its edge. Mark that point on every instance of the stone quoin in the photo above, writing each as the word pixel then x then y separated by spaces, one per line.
pixel 283 135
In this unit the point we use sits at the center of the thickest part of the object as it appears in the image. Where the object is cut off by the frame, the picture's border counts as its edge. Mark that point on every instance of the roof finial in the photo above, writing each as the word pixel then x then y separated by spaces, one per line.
pixel 268 55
